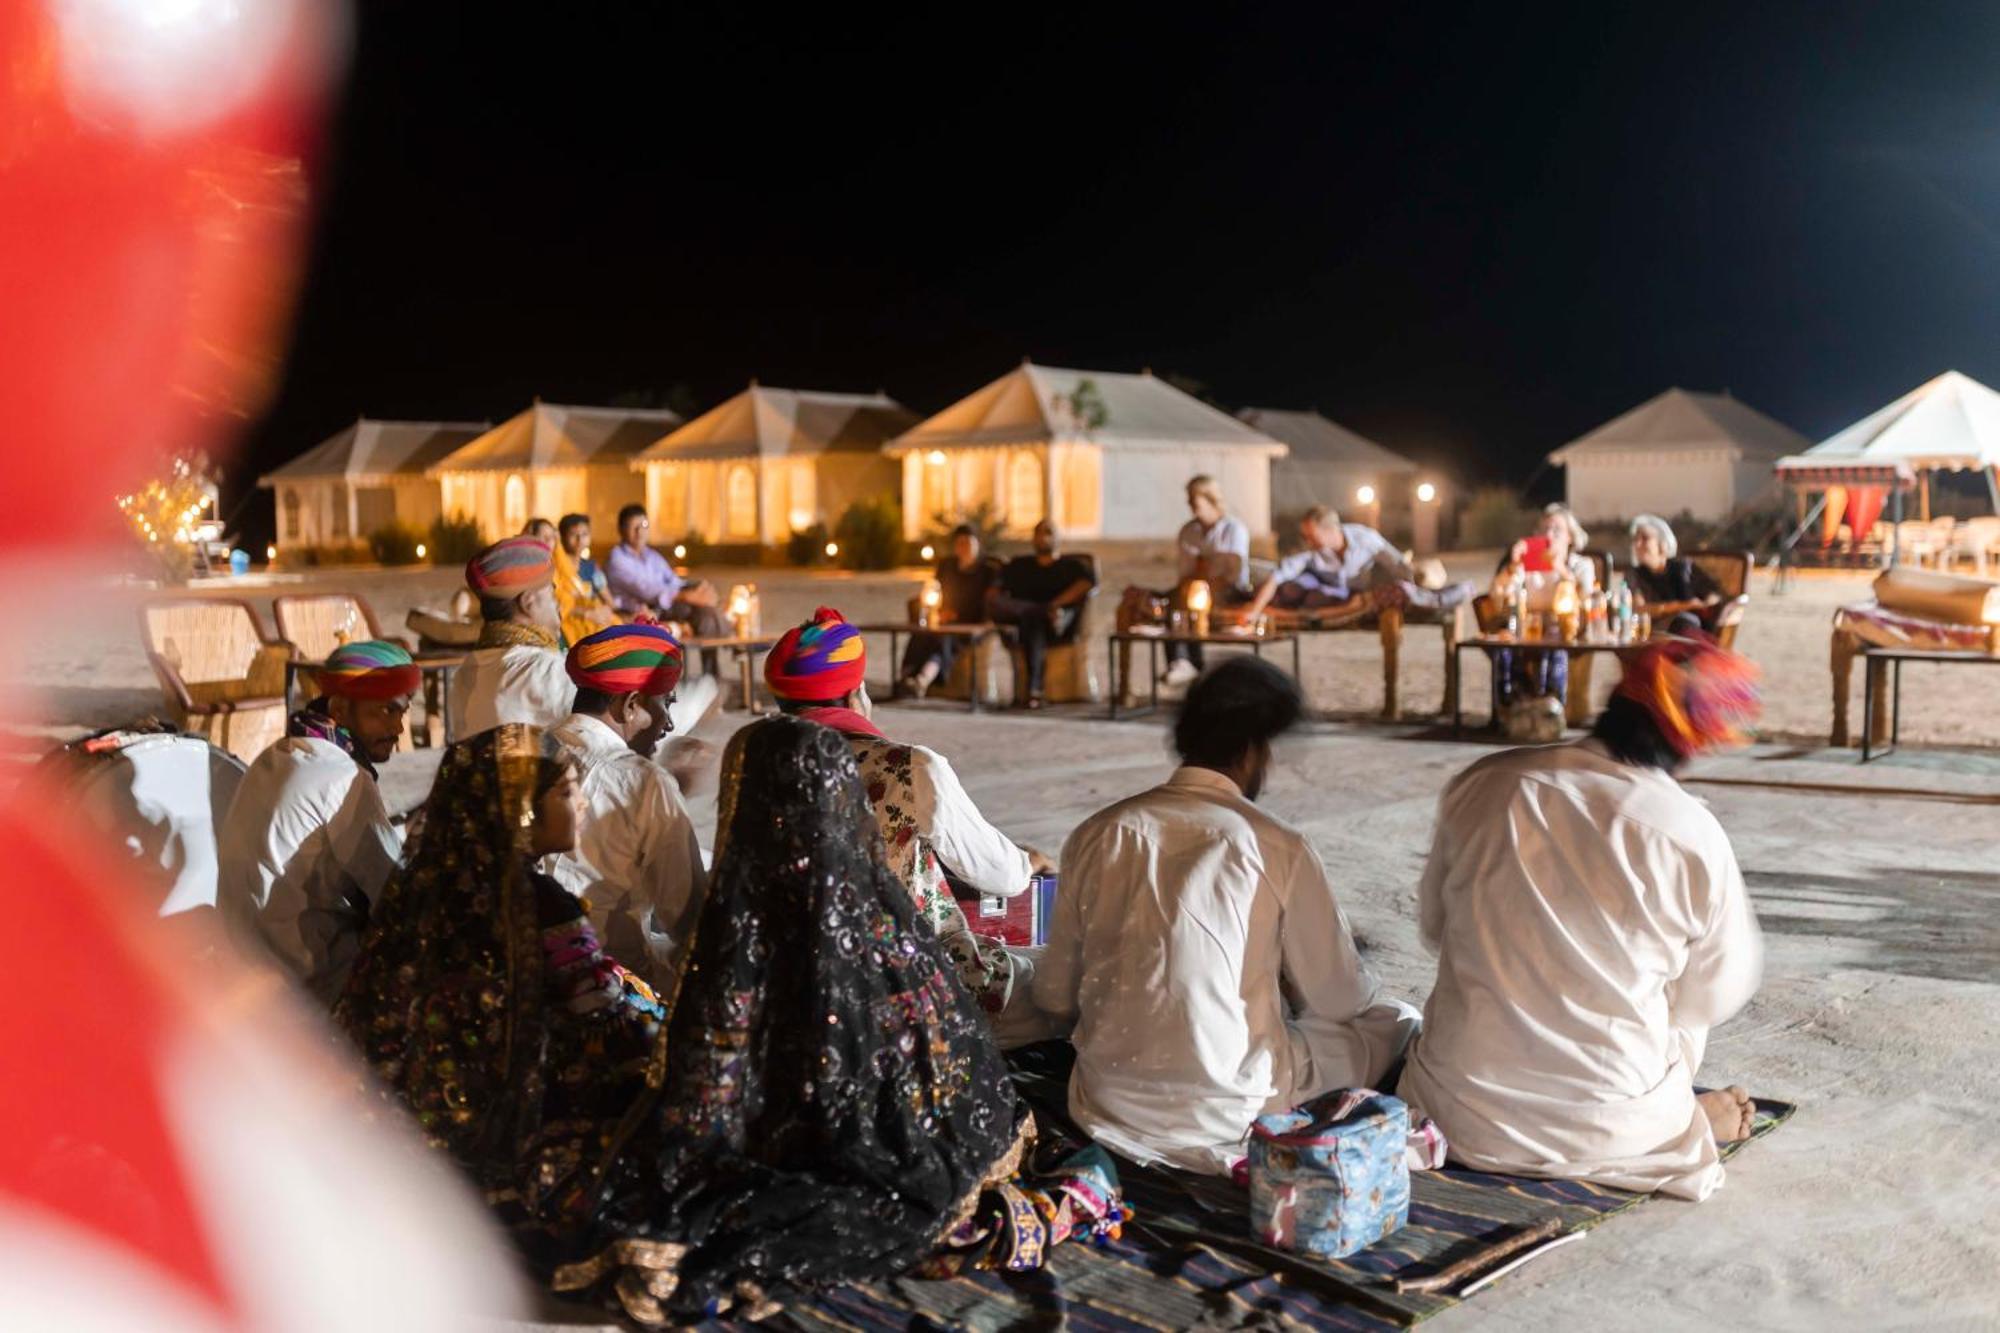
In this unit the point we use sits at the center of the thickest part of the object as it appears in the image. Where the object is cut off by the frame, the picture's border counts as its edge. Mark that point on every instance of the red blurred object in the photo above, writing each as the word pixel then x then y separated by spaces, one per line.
pixel 1535 555
pixel 1022 920
pixel 149 236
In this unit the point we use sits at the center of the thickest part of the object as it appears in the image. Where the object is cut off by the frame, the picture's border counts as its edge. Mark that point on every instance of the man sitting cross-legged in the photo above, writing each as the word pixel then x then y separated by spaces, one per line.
pixel 307 844
pixel 516 673
pixel 1199 946
pixel 1040 595
pixel 1591 927
pixel 929 825
pixel 637 862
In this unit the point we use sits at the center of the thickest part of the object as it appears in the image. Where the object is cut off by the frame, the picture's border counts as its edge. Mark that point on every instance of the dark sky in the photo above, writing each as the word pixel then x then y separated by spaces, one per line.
pixel 1471 235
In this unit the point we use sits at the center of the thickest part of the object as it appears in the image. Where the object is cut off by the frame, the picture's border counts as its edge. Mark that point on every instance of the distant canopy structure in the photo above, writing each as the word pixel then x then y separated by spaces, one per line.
pixel 1948 424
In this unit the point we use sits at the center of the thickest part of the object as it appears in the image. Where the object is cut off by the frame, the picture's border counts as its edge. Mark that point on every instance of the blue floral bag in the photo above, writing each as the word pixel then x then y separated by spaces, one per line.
pixel 1332 1176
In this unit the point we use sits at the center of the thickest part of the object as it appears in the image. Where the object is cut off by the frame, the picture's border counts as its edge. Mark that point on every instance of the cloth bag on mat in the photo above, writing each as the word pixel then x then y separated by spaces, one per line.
pixel 1332 1176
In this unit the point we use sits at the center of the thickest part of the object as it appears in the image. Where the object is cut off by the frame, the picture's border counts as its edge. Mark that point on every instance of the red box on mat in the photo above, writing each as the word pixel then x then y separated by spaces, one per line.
pixel 1022 920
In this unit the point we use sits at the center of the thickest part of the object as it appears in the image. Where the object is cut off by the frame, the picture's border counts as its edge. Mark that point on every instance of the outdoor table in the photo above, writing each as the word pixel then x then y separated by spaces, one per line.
pixel 436 668
pixel 745 648
pixel 972 633
pixel 1527 646
pixel 1875 661
pixel 1256 643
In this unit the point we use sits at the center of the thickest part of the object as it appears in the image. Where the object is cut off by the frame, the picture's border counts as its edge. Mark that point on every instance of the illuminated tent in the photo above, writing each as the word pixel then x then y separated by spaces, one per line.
pixel 770 461
pixel 1703 454
pixel 1328 464
pixel 367 476
pixel 1102 453
pixel 550 460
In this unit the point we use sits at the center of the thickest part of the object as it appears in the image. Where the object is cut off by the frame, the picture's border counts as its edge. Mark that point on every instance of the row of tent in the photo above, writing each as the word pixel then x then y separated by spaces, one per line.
pixel 1102 453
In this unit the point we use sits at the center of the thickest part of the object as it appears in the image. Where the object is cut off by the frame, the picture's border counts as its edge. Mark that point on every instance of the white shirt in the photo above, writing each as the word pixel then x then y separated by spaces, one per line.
pixel 1213 977
pixel 1226 547
pixel 637 860
pixel 305 834
pixel 1591 926
pixel 1344 572
pixel 517 683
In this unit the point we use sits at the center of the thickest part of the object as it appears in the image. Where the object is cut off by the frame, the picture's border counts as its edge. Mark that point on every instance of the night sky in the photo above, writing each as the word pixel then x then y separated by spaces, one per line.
pixel 1471 235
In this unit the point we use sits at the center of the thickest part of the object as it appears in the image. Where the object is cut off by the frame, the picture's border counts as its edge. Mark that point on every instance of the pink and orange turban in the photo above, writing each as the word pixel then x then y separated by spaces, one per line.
pixel 822 659
pixel 626 659
pixel 370 669
pixel 1700 695
pixel 511 567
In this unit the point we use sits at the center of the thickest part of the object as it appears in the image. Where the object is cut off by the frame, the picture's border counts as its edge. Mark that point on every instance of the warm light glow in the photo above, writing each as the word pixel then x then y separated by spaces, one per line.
pixel 680 552
pixel 1366 495
pixel 928 553
pixel 739 602
pixel 1198 596
pixel 271 552
pixel 832 550
pixel 1564 603
pixel 801 519
pixel 935 458
pixel 933 594
pixel 1427 492
pixel 422 550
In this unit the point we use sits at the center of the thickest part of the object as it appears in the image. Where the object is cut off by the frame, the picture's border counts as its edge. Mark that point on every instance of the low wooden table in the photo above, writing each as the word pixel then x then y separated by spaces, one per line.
pixel 745 648
pixel 1877 661
pixel 1525 646
pixel 1256 643
pixel 434 667
pixel 971 633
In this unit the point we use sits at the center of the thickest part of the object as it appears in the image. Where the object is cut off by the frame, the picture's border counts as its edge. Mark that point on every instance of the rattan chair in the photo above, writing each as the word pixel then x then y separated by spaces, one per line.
pixel 222 678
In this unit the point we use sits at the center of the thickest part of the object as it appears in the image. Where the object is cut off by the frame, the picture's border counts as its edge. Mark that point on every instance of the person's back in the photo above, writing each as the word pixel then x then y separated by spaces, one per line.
pixel 516 673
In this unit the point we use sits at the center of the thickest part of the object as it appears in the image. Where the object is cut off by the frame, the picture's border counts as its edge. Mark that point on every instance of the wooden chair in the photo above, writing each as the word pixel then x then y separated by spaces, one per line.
pixel 1731 572
pixel 222 678
pixel 318 623
pixel 1067 674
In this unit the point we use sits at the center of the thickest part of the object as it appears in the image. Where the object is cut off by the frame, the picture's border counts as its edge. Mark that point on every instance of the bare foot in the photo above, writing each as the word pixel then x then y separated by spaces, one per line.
pixel 1729 1111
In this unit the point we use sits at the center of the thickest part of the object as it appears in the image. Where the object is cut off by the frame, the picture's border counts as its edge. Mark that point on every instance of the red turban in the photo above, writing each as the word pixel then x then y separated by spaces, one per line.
pixel 1700 695
pixel 511 567
pixel 820 660
pixel 627 659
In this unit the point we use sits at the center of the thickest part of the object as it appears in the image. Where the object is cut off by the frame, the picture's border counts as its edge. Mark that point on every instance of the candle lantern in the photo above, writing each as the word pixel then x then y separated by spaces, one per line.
pixel 740 598
pixel 928 603
pixel 1567 609
pixel 1199 602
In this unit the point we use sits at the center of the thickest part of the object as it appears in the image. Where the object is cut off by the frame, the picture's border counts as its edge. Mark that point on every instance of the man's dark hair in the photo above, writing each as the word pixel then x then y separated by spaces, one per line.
pixel 496 608
pixel 628 513
pixel 964 530
pixel 594 702
pixel 1629 732
pixel 1241 704
pixel 569 523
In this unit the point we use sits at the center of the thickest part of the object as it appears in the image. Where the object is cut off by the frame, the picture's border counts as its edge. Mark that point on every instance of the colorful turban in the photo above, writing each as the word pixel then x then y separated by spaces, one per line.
pixel 1700 696
pixel 370 669
pixel 627 659
pixel 819 660
pixel 511 567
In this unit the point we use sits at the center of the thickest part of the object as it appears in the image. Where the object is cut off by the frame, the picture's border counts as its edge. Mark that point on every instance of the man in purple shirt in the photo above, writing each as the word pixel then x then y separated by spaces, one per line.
pixel 640 579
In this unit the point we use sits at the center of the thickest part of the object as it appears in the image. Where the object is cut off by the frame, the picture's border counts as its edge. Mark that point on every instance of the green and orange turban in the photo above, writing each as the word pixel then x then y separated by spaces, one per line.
pixel 370 669
pixel 626 659
pixel 820 660
pixel 1700 695
pixel 511 567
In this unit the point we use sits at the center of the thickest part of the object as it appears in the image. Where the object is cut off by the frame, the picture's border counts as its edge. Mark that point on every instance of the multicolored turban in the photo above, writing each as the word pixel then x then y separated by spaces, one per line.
pixel 1700 696
pixel 370 669
pixel 511 567
pixel 819 660
pixel 627 659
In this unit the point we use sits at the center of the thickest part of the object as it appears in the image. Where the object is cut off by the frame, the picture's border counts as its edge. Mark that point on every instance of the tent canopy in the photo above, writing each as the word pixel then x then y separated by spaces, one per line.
pixel 1950 422
pixel 1043 405
pixel 762 422
pixel 1314 439
pixel 557 435
pixel 378 449
pixel 1681 419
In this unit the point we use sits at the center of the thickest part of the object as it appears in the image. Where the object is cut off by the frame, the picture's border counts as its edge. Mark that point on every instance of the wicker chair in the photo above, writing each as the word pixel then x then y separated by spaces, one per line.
pixel 222 678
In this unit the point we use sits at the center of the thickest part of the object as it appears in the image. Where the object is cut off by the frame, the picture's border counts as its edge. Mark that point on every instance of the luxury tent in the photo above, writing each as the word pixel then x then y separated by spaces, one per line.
pixel 1104 454
pixel 1704 454
pixel 1947 424
pixel 550 460
pixel 769 462
pixel 367 476
pixel 1331 465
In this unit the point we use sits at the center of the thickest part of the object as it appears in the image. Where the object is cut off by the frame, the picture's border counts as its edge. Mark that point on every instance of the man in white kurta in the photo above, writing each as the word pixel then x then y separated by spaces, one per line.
pixel 1591 926
pixel 516 672
pixel 1199 944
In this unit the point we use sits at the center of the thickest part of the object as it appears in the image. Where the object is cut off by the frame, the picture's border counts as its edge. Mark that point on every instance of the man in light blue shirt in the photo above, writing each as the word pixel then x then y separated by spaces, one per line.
pixel 1339 562
pixel 641 579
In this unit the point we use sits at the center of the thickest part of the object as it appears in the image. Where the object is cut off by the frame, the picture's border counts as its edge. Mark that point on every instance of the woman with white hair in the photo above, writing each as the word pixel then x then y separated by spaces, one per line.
pixel 1668 586
pixel 1539 564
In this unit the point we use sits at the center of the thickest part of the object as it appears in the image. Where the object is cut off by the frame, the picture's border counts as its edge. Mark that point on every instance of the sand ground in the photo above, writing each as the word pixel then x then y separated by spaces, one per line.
pixel 1878 1206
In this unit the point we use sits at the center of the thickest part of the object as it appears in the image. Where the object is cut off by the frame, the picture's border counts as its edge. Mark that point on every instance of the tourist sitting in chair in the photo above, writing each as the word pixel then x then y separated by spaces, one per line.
pixel 1345 565
pixel 1675 591
pixel 1591 926
pixel 516 673
pixel 965 579
pixel 642 580
pixel 1212 546
pixel 1534 686
pixel 1042 596
pixel 582 595
pixel 1200 949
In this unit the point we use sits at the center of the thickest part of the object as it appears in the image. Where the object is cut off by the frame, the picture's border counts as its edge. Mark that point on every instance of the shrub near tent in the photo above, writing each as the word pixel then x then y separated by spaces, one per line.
pixel 870 534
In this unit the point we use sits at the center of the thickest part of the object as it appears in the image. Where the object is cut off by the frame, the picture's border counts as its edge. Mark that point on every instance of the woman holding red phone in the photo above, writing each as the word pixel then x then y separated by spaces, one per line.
pixel 1539 564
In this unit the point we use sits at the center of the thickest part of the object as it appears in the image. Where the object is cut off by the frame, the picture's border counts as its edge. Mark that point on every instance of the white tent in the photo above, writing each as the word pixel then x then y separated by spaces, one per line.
pixel 1949 423
pixel 1103 454
pixel 1702 454
pixel 1331 465
pixel 769 462
pixel 550 460
pixel 364 477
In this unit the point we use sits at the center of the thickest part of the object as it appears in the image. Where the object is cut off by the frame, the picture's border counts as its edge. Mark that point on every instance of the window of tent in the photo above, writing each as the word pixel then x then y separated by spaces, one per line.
pixel 289 529
pixel 1026 492
pixel 340 511
pixel 514 503
pixel 936 485
pixel 740 501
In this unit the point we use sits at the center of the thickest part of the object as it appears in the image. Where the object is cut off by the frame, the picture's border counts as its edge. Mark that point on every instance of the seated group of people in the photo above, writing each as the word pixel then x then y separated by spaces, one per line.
pixel 690 1089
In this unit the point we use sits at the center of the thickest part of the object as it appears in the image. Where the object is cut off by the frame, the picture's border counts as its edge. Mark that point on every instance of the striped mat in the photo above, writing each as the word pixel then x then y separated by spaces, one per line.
pixel 1188 1260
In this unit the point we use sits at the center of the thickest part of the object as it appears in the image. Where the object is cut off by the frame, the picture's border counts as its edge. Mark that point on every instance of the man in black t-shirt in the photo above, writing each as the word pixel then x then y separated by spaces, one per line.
pixel 965 578
pixel 1041 595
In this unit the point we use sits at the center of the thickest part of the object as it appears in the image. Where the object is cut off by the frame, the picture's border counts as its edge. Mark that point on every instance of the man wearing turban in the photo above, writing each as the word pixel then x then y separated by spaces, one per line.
pixel 516 672
pixel 1591 926
pixel 637 861
pixel 929 824
pixel 308 842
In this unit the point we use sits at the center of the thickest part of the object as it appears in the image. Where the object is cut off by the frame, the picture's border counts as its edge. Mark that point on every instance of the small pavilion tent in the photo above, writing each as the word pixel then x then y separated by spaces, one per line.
pixel 549 460
pixel 1331 465
pixel 1103 454
pixel 1947 424
pixel 361 479
pixel 1703 454
pixel 769 462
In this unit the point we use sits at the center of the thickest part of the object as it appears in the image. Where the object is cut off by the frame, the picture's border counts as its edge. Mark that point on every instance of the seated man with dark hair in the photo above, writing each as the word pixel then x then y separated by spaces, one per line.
pixel 966 578
pixel 1200 948
pixel 1041 596
pixel 516 673
pixel 642 580
pixel 1591 926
